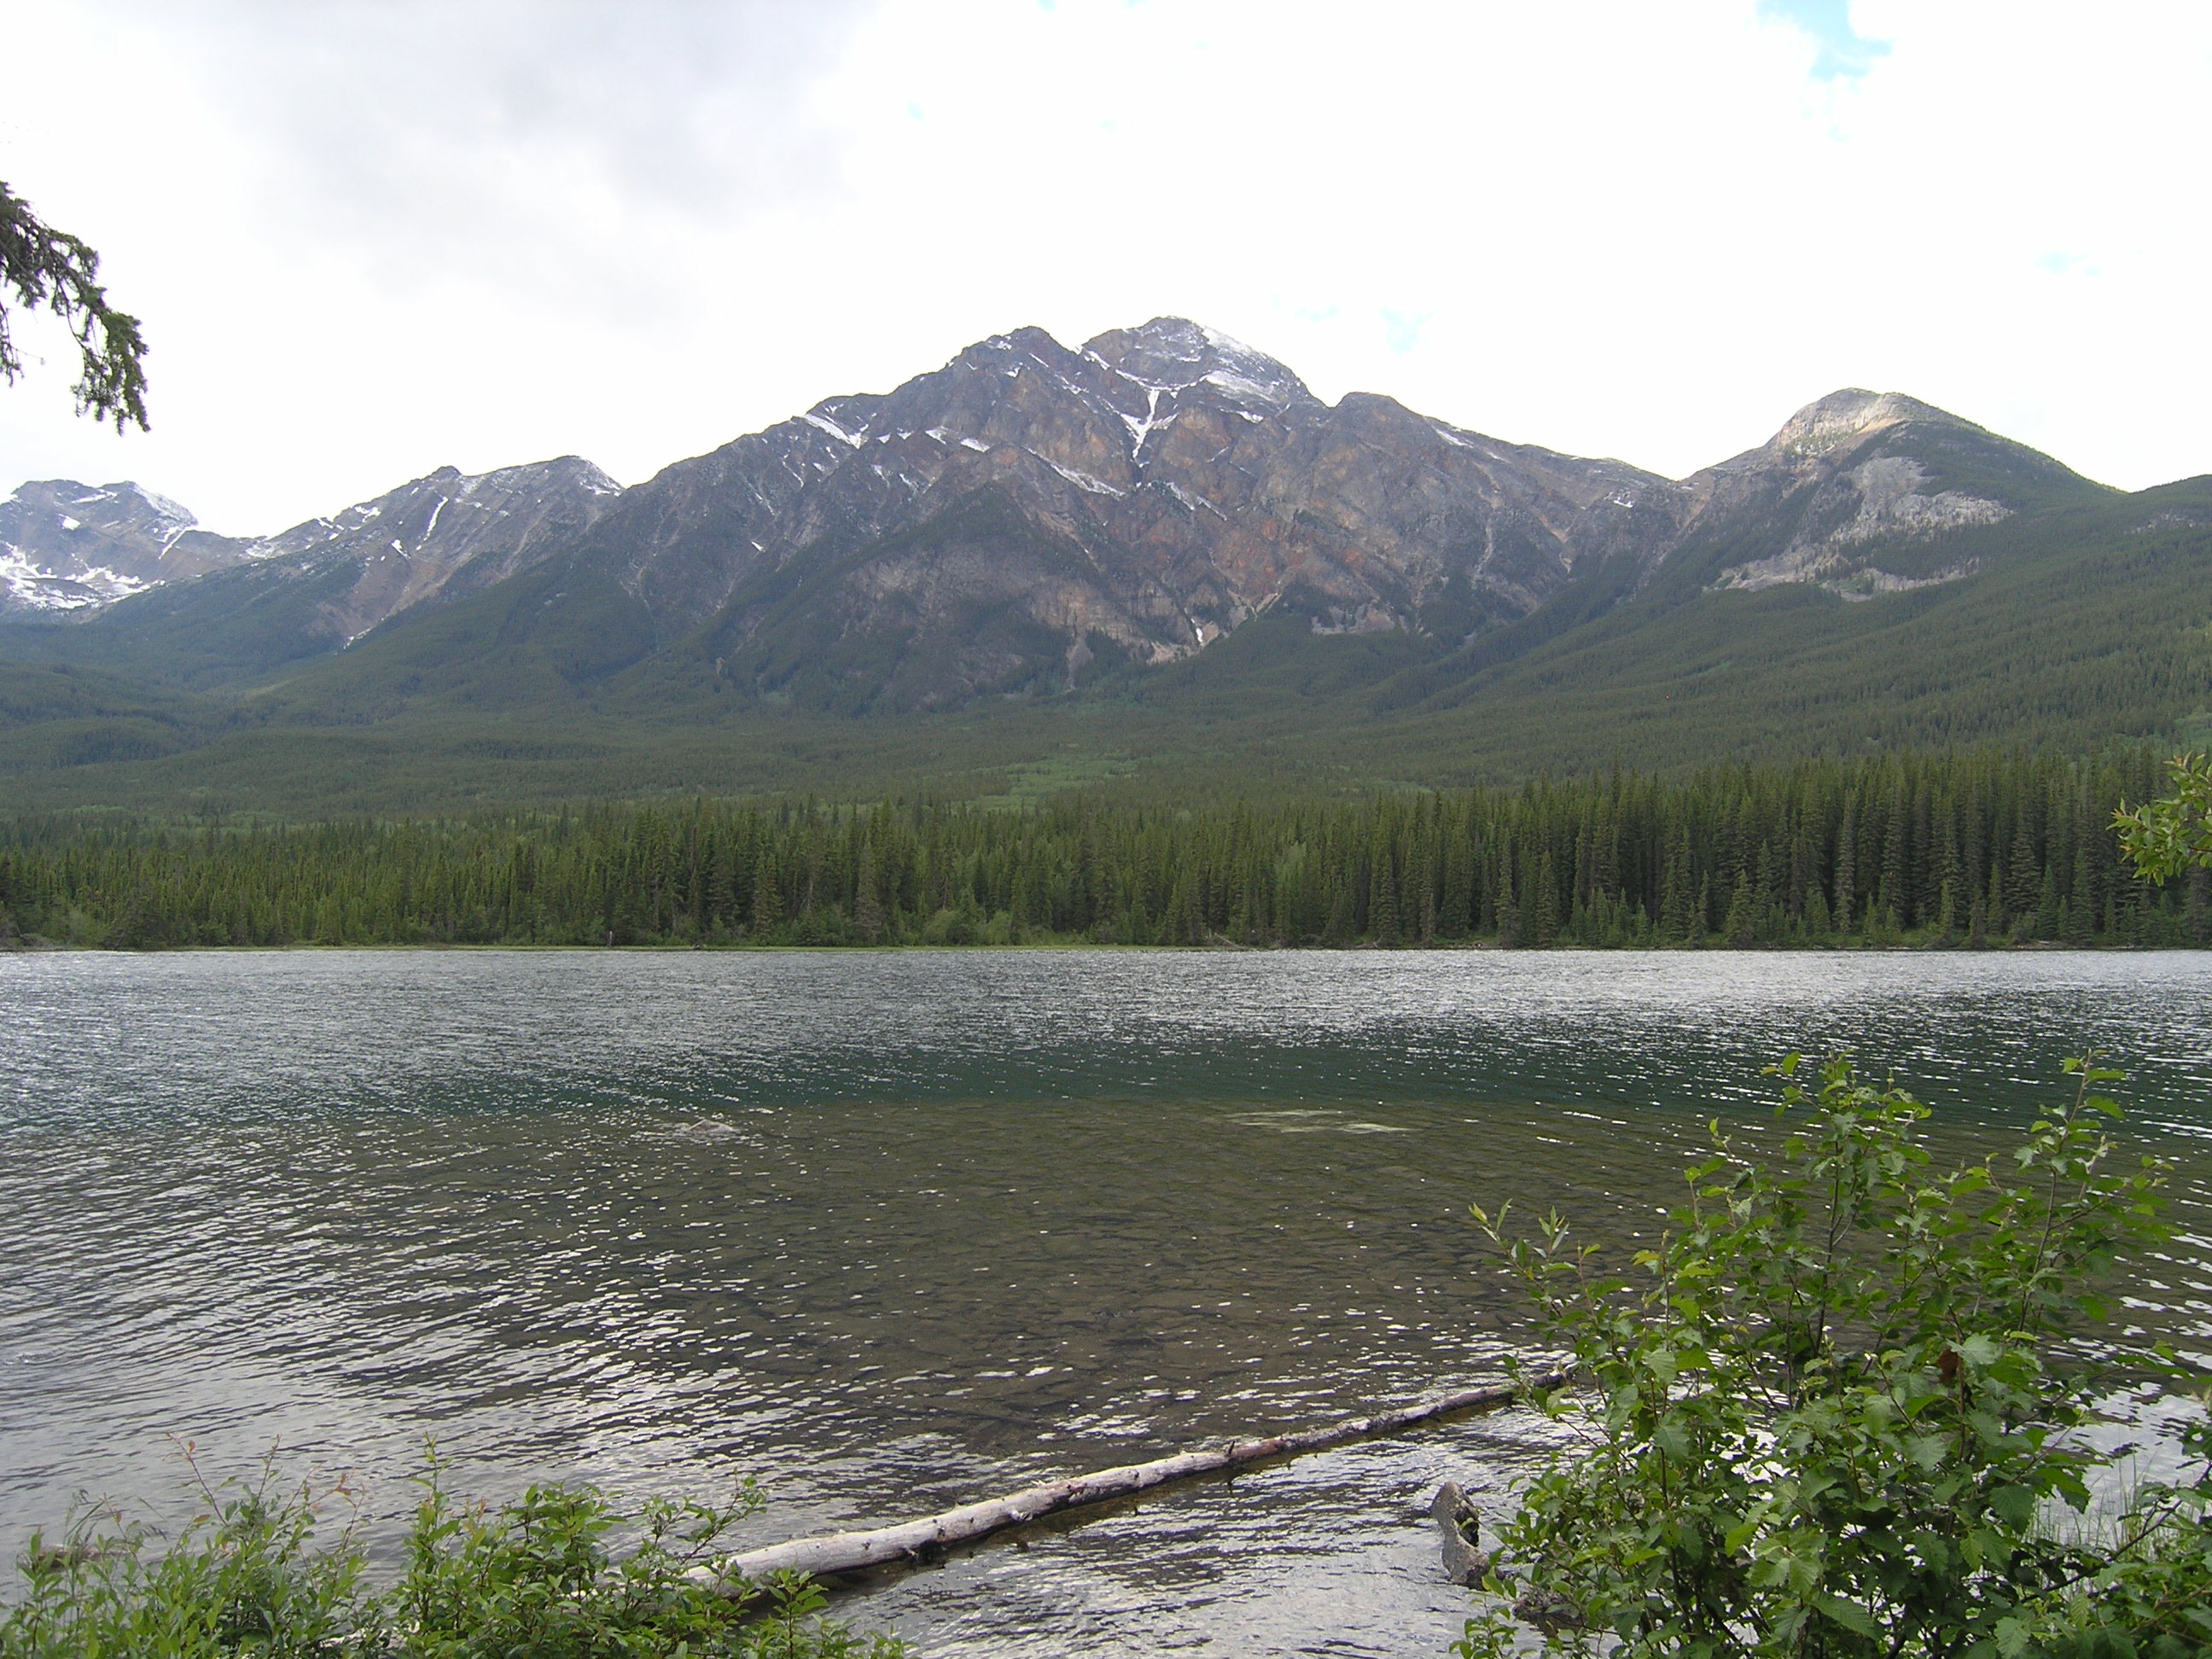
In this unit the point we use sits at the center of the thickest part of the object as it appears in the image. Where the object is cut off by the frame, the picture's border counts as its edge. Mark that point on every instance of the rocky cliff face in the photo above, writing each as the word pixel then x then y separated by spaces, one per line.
pixel 443 535
pixel 1029 508
pixel 1857 491
pixel 70 547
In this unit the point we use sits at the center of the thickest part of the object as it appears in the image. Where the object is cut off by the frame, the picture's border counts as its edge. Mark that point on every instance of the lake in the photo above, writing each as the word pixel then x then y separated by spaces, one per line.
pixel 893 1231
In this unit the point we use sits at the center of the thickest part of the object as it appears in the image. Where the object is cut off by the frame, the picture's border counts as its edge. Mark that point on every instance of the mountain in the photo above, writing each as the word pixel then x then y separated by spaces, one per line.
pixel 70 547
pixel 437 536
pixel 272 602
pixel 1025 517
pixel 1158 551
pixel 1860 493
pixel 1029 514
pixel 1030 518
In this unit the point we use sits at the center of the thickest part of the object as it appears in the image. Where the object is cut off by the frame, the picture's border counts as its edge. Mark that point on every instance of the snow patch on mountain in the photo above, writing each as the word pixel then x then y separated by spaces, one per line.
pixel 31 586
pixel 851 439
pixel 120 540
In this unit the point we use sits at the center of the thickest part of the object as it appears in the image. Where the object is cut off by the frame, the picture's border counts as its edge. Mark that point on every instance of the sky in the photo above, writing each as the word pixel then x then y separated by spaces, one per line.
pixel 367 238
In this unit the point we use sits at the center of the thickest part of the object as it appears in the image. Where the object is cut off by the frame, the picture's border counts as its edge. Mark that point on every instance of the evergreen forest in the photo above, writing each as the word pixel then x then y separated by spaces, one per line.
pixel 1981 849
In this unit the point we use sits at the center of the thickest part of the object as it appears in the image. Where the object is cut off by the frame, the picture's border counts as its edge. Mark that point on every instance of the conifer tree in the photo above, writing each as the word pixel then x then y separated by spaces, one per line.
pixel 49 270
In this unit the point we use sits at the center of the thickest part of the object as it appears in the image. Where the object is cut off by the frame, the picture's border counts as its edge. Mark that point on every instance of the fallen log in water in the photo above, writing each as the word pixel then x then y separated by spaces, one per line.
pixel 916 1540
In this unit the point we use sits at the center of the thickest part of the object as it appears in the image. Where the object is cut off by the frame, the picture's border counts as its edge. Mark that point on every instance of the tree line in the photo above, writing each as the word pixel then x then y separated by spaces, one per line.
pixel 1971 849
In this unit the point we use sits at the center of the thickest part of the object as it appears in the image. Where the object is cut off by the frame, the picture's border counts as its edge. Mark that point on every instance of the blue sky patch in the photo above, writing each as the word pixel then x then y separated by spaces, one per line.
pixel 1827 23
pixel 1401 329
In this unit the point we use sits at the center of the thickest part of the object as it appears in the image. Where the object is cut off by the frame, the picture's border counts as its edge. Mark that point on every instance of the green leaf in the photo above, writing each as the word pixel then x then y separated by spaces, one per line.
pixel 1849 1615
pixel 1927 1451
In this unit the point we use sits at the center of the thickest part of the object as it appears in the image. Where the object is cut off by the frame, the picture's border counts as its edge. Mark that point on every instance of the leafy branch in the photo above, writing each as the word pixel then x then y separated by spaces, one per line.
pixel 52 271
pixel 1835 1408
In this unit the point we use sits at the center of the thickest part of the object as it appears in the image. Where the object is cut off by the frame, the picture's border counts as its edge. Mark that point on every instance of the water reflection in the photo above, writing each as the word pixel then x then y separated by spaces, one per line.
pixel 896 1231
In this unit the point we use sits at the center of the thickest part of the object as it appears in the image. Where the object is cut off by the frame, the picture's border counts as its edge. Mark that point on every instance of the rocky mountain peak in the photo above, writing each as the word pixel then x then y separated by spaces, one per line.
pixel 66 546
pixel 1174 354
pixel 443 534
pixel 1008 522
pixel 1842 415
pixel 1007 355
pixel 1853 490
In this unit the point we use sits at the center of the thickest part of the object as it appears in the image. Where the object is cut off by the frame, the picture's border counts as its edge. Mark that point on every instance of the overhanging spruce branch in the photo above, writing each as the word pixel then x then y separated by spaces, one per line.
pixel 50 270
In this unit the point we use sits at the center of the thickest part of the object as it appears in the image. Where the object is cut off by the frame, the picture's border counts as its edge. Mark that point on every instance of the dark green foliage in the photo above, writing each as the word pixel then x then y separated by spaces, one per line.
pixel 2163 838
pixel 52 271
pixel 243 1576
pixel 539 640
pixel 1830 1411
pixel 32 694
pixel 1979 848
pixel 60 717
pixel 562 1573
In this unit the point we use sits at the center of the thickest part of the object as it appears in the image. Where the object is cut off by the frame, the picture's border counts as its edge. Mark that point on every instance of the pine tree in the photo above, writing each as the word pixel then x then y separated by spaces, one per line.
pixel 1544 905
pixel 1847 868
pixel 1818 928
pixel 868 903
pixel 1737 928
pixel 1510 896
pixel 1338 930
pixel 2023 884
pixel 1897 841
pixel 1382 899
pixel 768 895
pixel 1179 926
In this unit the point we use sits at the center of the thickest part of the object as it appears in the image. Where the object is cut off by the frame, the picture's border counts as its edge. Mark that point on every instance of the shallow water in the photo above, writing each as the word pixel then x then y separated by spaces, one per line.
pixel 894 1232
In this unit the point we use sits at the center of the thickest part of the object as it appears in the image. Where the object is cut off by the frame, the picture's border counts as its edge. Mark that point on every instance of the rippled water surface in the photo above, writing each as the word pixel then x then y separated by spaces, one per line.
pixel 894 1232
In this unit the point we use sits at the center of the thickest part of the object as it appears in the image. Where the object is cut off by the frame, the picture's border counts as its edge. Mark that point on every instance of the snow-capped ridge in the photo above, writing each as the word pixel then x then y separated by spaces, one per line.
pixel 122 540
pixel 1174 355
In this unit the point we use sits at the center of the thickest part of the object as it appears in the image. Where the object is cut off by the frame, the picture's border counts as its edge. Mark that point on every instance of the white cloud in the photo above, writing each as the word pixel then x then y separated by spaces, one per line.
pixel 367 239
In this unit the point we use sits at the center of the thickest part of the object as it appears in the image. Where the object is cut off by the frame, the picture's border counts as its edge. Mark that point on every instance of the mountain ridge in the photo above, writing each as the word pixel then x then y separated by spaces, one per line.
pixel 1033 524
pixel 1364 511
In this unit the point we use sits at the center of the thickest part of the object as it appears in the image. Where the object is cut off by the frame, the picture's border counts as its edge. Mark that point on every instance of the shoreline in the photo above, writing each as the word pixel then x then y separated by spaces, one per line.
pixel 1466 947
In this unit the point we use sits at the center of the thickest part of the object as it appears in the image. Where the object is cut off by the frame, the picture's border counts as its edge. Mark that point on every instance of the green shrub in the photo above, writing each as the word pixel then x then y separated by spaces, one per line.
pixel 539 1578
pixel 2166 837
pixel 1837 1409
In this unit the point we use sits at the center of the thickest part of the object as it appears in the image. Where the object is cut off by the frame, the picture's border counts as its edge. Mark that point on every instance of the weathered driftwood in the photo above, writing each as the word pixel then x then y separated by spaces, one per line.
pixel 916 1540
pixel 1465 1559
